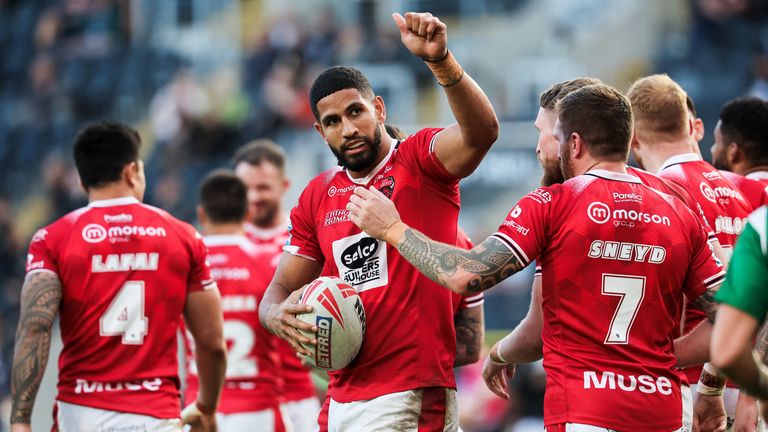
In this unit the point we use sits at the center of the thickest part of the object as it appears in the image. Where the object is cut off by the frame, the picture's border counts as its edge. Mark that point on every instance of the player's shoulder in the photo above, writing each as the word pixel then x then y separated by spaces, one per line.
pixel 61 227
pixel 183 229
pixel 323 183
pixel 421 137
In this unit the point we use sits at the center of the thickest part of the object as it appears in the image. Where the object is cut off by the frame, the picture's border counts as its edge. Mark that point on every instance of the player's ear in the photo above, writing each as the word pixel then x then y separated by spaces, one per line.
pixel 733 153
pixel 201 216
pixel 131 173
pixel 698 127
pixel 577 145
pixel 319 130
pixel 380 109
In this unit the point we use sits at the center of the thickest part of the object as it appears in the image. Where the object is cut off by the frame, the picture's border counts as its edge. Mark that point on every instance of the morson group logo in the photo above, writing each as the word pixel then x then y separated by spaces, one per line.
pixel 94 233
pixel 599 212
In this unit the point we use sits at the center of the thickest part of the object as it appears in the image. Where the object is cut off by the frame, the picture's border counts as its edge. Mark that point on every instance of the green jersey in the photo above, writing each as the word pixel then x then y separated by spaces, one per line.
pixel 746 284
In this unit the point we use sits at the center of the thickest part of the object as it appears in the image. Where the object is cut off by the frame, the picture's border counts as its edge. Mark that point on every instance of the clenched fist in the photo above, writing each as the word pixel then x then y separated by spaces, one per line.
pixel 423 34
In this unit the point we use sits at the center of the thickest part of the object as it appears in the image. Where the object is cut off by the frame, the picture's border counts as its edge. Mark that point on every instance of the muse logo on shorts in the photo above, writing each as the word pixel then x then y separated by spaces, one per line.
pixel 362 261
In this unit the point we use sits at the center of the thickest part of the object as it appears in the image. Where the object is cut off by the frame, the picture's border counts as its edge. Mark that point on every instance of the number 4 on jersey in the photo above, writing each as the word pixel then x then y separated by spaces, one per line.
pixel 125 315
pixel 631 290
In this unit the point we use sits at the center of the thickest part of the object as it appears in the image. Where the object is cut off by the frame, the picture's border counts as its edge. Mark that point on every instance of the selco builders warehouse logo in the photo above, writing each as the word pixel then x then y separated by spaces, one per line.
pixel 95 233
pixel 362 261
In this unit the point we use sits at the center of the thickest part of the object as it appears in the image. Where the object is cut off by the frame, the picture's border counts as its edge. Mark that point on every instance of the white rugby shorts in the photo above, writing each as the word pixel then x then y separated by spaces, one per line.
pixel 79 418
pixel 300 415
pixel 424 409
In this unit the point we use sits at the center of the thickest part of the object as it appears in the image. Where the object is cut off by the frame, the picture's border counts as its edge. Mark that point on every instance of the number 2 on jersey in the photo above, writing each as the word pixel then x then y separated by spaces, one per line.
pixel 631 290
pixel 125 315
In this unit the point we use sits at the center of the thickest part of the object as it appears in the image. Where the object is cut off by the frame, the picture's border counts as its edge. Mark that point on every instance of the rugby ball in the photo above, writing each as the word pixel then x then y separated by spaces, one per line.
pixel 338 313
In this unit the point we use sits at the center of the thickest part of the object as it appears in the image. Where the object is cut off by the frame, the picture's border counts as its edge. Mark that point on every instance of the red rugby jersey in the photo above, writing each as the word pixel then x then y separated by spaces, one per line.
pixel 295 380
pixel 619 257
pixel 400 352
pixel 253 365
pixel 126 269
pixel 754 191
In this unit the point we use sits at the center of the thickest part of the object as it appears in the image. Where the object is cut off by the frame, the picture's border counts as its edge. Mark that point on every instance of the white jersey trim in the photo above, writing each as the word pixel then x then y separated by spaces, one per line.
pixel 114 202
pixel 377 168
pixel 684 157
pixel 268 233
pixel 715 280
pixel 294 250
pixel 225 240
pixel 757 175
pixel 757 220
pixel 33 271
pixel 613 175
pixel 513 246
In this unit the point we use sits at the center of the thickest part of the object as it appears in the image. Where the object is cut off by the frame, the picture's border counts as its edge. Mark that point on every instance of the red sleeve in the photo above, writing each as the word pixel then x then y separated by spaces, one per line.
pixel 524 229
pixel 39 256
pixel 302 237
pixel 705 270
pixel 199 278
pixel 421 147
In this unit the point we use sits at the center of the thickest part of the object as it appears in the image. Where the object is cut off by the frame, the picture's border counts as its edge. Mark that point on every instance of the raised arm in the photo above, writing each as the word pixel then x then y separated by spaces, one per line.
pixel 279 307
pixel 40 299
pixel 461 146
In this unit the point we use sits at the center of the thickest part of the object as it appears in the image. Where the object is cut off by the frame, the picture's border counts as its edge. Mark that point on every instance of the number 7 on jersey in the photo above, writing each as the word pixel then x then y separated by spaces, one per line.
pixel 631 290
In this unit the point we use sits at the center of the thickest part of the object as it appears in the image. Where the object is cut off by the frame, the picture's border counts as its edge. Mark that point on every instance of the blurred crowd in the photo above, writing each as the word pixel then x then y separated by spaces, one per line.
pixel 69 62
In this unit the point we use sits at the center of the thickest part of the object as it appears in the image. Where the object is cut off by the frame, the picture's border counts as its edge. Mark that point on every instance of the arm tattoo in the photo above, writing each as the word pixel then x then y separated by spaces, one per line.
pixel 487 264
pixel 40 300
pixel 706 303
pixel 761 345
pixel 469 335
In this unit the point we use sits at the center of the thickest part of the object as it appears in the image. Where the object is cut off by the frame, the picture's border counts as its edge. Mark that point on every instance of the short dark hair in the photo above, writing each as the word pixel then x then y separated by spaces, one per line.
pixel 335 79
pixel 259 151
pixel 102 150
pixel 550 97
pixel 223 197
pixel 602 117
pixel 744 121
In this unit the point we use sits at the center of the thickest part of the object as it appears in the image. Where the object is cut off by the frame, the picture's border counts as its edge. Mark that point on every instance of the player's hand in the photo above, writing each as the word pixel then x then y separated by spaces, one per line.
pixel 709 414
pixel 372 212
pixel 496 376
pixel 745 419
pixel 21 427
pixel 204 423
pixel 282 321
pixel 423 34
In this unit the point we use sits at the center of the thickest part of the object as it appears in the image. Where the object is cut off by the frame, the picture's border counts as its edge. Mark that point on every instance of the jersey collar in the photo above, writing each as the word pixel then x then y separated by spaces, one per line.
pixel 612 175
pixel 114 202
pixel 374 171
pixel 266 233
pixel 224 240
pixel 678 159
pixel 757 175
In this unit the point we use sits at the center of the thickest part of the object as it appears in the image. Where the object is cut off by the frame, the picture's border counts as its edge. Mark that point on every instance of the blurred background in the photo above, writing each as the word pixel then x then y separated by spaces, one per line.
pixel 198 78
